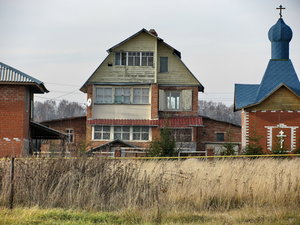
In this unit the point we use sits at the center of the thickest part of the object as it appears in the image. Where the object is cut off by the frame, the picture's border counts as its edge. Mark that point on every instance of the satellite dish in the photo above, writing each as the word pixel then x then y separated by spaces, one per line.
pixel 89 102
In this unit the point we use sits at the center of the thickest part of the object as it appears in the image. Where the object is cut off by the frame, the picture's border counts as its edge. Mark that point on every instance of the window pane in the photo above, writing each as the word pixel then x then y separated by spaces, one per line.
pixel 126 129
pixel 107 99
pixel 126 99
pixel 118 58
pixel 136 136
pixel 145 100
pixel 145 129
pixel 97 136
pixel 219 136
pixel 126 136
pixel 136 129
pixel 117 129
pixel 117 136
pixel 98 128
pixel 108 91
pixel 130 61
pixel 126 91
pixel 106 128
pixel 145 91
pixel 99 91
pixel 163 64
pixel 145 136
pixel 144 61
pixel 150 61
pixel 106 136
pixel 123 58
pixel 118 91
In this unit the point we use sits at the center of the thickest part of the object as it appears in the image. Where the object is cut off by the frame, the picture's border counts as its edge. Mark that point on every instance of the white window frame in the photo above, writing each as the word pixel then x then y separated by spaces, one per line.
pixel 70 133
pixel 101 132
pixel 141 96
pixel 122 132
pixel 168 94
pixel 135 54
pixel 104 95
pixel 131 97
pixel 112 134
pixel 175 130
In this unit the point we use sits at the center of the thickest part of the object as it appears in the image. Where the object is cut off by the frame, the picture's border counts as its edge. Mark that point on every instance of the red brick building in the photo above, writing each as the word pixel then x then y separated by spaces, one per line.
pixel 17 131
pixel 215 133
pixel 75 130
pixel 271 109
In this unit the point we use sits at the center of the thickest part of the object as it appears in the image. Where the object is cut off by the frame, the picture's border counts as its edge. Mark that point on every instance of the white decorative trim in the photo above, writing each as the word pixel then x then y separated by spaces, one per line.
pixel 245 129
pixel 281 125
pixel 253 111
pixel 289 111
pixel 263 110
pixel 273 111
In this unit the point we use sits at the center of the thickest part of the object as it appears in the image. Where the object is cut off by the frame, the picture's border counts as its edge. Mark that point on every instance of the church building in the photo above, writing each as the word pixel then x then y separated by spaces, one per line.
pixel 271 110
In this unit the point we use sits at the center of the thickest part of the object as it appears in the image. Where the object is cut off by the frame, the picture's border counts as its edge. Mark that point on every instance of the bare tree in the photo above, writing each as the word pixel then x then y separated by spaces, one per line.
pixel 219 111
pixel 50 110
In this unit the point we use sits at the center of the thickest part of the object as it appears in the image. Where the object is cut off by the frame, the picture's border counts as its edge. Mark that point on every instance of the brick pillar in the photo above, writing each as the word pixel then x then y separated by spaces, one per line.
pixel 118 152
pixel 210 152
pixel 154 101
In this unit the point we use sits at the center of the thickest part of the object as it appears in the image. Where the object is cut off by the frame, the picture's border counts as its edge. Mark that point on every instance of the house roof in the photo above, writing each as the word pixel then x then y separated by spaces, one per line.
pixel 112 143
pixel 10 75
pixel 64 119
pixel 39 131
pixel 175 52
pixel 221 121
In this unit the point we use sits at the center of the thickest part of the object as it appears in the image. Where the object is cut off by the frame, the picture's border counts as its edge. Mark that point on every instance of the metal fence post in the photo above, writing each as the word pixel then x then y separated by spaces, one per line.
pixel 11 192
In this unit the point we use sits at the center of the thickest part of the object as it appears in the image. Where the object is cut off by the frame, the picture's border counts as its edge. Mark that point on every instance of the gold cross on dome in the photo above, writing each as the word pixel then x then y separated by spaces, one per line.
pixel 280 12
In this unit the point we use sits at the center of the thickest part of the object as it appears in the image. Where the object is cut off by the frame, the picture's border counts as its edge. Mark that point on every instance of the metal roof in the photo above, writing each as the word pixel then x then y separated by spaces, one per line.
pixel 9 74
pixel 278 73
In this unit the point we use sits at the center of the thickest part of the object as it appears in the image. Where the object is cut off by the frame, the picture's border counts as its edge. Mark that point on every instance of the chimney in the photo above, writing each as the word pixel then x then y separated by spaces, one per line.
pixel 152 31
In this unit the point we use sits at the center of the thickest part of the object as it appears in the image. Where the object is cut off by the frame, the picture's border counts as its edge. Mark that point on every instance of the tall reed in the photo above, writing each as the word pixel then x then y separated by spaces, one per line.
pixel 100 184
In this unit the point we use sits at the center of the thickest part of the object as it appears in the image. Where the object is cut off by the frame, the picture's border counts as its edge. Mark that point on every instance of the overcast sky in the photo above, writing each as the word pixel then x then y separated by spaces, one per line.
pixel 61 42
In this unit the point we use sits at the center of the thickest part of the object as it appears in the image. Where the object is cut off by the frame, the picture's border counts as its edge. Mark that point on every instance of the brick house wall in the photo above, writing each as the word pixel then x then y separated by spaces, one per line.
pixel 267 124
pixel 207 133
pixel 14 119
pixel 77 124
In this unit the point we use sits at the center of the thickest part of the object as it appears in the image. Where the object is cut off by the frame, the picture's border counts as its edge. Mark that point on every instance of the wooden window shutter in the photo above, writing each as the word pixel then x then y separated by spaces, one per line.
pixel 162 100
pixel 186 100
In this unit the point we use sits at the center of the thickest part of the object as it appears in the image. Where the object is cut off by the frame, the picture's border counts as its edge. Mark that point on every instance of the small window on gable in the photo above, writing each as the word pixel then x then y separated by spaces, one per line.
pixel 163 65
pixel 220 137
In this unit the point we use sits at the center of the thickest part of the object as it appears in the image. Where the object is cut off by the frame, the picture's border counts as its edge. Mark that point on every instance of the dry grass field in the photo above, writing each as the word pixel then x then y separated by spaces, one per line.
pixel 159 188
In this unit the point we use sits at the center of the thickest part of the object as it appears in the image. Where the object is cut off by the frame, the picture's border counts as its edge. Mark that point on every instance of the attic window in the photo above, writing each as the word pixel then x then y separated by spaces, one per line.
pixel 134 58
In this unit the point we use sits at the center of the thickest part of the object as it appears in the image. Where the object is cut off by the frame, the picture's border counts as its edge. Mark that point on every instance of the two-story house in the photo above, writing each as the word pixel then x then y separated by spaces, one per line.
pixel 140 87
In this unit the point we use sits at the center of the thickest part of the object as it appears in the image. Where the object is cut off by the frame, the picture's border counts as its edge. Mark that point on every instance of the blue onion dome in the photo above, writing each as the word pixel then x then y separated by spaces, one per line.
pixel 280 32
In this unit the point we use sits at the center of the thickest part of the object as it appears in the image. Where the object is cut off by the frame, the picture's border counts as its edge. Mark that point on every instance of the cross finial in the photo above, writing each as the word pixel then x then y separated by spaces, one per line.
pixel 280 10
